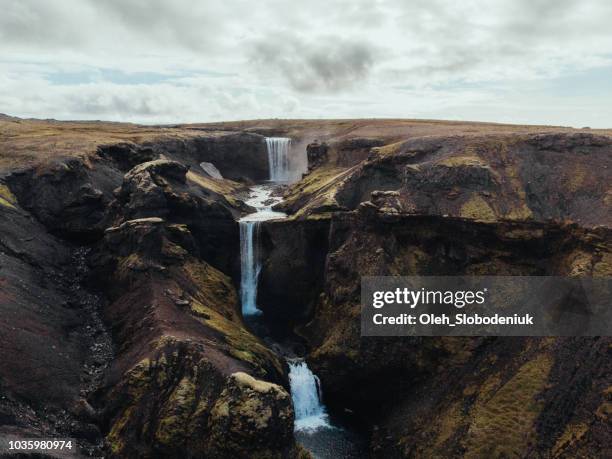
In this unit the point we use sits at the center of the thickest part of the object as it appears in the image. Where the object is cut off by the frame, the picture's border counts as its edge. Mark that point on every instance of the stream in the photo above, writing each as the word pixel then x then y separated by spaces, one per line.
pixel 319 432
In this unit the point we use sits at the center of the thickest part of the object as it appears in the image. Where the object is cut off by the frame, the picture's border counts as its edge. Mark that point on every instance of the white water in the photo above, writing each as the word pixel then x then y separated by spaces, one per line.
pixel 250 257
pixel 278 158
pixel 310 412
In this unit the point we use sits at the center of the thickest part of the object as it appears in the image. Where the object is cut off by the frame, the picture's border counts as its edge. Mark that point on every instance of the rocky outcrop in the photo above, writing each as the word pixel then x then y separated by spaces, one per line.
pixel 161 189
pixel 352 151
pixel 127 155
pixel 178 328
pixel 68 195
pixel 316 154
pixel 179 335
pixel 255 413
pixel 412 376
pixel 542 177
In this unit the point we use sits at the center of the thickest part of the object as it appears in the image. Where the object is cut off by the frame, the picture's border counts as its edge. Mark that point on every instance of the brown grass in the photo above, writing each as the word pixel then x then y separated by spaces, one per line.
pixel 25 141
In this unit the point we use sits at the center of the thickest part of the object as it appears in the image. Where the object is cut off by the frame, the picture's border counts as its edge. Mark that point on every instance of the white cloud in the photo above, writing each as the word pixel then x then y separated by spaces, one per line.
pixel 192 60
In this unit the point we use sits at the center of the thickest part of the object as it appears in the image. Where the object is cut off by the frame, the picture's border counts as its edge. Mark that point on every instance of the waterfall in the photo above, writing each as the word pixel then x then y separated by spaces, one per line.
pixel 278 158
pixel 306 393
pixel 249 266
pixel 261 199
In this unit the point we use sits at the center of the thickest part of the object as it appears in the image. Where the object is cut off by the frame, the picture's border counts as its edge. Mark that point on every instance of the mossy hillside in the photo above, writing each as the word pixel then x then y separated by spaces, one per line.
pixel 226 188
pixel 254 412
pixel 503 417
pixel 314 193
pixel 215 304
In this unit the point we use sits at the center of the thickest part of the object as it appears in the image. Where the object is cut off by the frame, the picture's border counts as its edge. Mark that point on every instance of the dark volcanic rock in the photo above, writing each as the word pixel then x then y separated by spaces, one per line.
pixel 541 177
pixel 292 274
pixel 68 195
pixel 412 376
pixel 238 156
pixel 316 153
pixel 159 189
pixel 180 336
pixel 352 151
pixel 127 155
pixel 53 346
pixel 251 412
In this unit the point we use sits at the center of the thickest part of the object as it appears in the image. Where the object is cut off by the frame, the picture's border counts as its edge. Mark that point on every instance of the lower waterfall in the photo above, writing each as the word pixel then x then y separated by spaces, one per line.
pixel 310 412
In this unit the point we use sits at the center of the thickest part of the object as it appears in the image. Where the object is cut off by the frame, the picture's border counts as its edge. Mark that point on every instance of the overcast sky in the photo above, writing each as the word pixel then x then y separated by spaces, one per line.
pixel 168 61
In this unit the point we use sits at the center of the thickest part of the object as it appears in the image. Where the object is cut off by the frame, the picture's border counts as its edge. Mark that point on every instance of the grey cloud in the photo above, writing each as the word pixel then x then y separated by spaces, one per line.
pixel 123 26
pixel 329 64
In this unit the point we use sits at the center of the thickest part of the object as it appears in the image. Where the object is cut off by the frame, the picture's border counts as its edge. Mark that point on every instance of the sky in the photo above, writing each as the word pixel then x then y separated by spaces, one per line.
pixel 170 61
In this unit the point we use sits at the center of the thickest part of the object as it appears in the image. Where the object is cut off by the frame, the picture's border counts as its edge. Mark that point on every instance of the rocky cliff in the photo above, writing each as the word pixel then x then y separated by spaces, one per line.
pixel 535 204
pixel 117 287
pixel 119 266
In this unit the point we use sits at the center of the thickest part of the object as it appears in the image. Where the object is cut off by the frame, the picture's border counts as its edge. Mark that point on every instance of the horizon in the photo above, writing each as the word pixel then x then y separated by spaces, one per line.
pixel 322 119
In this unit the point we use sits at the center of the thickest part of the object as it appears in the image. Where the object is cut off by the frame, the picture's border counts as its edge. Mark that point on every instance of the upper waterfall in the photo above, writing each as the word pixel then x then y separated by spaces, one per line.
pixel 278 158
pixel 286 164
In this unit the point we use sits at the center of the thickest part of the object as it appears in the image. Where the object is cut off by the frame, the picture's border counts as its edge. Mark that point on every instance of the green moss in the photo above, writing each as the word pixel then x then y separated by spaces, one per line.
pixel 7 199
pixel 138 379
pixel 176 413
pixel 221 186
pixel 571 435
pixel 503 416
pixel 455 161
pixel 316 190
pixel 114 437
pixel 215 304
pixel 477 208
pixel 215 290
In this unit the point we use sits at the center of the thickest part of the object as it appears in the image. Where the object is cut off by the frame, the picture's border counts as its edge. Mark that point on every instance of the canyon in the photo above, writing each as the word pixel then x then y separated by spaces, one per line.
pixel 155 306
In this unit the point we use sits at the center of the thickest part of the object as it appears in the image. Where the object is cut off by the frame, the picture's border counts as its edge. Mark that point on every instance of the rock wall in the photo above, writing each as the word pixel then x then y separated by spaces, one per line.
pixel 509 205
pixel 163 239
pixel 292 274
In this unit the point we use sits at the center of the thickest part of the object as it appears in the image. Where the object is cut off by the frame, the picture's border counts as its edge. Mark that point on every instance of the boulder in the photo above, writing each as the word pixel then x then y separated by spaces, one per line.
pixel 252 413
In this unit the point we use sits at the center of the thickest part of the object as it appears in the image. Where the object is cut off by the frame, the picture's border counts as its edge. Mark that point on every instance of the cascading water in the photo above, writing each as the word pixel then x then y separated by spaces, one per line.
pixel 250 260
pixel 310 412
pixel 278 158
pixel 312 426
pixel 249 266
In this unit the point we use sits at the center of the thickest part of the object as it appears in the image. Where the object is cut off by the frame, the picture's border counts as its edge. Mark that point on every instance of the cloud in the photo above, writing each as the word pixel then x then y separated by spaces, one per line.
pixel 327 64
pixel 198 60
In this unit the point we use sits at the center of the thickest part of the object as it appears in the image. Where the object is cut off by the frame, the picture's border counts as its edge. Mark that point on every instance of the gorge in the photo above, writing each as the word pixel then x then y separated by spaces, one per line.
pixel 228 305
pixel 310 413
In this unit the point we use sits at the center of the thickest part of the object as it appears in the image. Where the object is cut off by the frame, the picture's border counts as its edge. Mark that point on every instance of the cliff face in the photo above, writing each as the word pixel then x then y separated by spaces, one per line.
pixel 119 263
pixel 443 396
pixel 494 205
pixel 173 372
